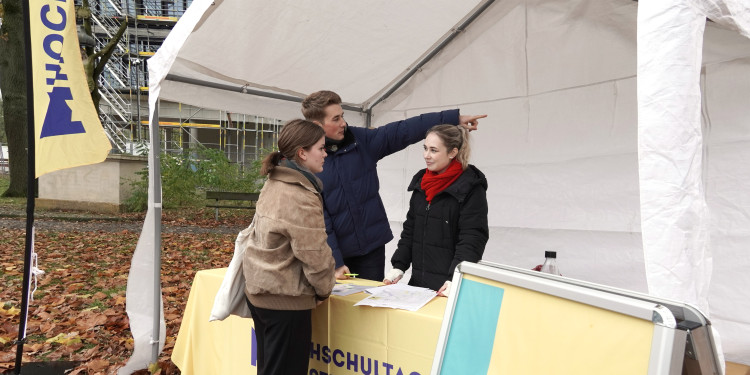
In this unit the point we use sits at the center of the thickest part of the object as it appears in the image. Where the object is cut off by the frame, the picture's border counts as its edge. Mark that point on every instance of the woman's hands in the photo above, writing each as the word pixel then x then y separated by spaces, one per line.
pixel 393 276
pixel 445 290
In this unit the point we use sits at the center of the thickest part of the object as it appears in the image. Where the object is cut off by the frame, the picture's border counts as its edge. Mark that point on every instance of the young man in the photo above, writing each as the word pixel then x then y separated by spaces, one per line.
pixel 355 217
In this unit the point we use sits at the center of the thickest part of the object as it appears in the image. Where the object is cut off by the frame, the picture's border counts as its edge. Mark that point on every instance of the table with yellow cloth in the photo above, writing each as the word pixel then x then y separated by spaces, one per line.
pixel 346 339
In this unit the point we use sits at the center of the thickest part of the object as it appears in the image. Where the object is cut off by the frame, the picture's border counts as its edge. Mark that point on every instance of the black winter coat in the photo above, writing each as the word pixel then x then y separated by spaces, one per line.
pixel 439 236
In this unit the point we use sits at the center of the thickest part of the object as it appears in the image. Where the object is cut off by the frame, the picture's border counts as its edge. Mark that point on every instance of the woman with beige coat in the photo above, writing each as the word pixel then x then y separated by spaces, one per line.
pixel 288 266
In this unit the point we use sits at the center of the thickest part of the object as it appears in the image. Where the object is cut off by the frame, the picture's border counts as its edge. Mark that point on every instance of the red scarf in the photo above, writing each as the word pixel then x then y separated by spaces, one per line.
pixel 433 183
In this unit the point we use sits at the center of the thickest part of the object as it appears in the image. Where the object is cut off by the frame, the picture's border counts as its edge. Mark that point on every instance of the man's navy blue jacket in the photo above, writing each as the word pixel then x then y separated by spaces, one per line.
pixel 355 217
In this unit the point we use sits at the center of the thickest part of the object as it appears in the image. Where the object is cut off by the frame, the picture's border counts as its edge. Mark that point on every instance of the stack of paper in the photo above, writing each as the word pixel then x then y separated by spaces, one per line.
pixel 398 296
pixel 347 289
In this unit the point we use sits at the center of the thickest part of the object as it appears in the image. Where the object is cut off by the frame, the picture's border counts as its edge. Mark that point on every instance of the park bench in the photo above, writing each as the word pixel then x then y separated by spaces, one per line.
pixel 219 196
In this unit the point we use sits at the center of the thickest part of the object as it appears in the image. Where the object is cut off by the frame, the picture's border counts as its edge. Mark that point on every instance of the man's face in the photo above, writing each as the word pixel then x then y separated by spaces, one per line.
pixel 334 124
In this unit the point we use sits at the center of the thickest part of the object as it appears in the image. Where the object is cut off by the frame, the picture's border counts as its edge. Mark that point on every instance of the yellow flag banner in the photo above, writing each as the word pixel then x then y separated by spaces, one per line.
pixel 67 129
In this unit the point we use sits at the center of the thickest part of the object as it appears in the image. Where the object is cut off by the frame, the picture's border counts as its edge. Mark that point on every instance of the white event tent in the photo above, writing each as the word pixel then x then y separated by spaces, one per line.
pixel 617 134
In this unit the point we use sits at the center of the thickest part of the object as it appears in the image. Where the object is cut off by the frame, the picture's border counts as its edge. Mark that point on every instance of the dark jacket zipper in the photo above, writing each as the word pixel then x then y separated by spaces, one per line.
pixel 424 234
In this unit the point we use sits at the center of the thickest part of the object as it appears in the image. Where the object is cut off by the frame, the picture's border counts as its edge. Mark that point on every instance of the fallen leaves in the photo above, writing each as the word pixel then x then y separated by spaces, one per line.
pixel 78 311
pixel 88 320
pixel 97 365
pixel 7 356
pixel 65 339
pixel 10 311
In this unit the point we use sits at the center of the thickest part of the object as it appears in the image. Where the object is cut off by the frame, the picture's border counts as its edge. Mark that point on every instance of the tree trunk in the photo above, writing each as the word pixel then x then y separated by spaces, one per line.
pixel 13 87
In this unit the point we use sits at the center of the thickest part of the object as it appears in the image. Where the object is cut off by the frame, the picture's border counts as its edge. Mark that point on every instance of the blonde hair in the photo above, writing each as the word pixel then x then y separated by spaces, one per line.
pixel 454 137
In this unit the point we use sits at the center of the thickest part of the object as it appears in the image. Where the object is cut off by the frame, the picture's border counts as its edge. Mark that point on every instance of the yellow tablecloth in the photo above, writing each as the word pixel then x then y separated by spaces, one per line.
pixel 346 339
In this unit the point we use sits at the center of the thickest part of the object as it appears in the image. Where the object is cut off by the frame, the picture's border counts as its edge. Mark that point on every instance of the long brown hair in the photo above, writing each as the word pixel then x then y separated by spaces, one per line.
pixel 295 134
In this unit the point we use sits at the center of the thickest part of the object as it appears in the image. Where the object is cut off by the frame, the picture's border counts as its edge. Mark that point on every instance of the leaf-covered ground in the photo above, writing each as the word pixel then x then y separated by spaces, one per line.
pixel 78 311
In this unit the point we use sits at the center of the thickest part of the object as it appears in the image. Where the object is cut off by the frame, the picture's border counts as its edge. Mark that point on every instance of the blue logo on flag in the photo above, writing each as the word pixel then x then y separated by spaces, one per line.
pixel 57 121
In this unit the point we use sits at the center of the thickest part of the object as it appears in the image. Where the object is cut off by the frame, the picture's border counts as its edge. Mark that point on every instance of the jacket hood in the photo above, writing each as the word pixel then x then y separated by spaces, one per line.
pixel 471 177
pixel 291 176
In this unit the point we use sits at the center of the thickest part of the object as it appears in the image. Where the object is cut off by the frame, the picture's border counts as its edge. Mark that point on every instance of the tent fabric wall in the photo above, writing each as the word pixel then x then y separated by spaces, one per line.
pixel 560 149
pixel 731 14
pixel 558 79
pixel 559 152
pixel 675 124
pixel 674 212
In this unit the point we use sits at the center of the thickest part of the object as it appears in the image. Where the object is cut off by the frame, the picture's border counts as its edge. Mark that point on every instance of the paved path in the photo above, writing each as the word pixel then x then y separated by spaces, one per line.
pixel 83 223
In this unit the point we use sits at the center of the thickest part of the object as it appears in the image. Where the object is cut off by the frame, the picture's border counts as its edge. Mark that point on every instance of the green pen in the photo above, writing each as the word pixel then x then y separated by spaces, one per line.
pixel 351 274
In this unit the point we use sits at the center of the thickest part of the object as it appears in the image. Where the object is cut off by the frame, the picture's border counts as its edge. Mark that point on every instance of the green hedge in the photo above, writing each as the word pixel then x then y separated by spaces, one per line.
pixel 185 177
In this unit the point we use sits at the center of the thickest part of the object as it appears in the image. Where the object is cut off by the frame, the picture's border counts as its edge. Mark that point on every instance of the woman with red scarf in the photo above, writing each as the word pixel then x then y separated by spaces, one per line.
pixel 447 219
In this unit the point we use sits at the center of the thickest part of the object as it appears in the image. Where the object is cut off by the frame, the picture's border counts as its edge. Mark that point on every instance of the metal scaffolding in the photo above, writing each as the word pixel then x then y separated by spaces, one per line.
pixel 123 86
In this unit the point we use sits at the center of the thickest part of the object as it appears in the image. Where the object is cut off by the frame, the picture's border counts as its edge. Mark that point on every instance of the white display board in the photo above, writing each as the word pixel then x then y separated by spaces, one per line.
pixel 501 319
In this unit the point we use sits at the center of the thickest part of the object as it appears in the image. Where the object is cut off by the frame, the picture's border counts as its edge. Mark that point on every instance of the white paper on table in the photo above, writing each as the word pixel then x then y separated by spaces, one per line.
pixel 398 296
pixel 347 289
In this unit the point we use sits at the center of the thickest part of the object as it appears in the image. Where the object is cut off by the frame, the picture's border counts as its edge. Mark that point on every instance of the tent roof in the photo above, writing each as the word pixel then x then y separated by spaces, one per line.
pixel 360 50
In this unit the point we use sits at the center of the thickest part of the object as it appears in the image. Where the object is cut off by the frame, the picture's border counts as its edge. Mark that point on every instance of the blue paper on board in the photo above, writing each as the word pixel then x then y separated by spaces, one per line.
pixel 472 334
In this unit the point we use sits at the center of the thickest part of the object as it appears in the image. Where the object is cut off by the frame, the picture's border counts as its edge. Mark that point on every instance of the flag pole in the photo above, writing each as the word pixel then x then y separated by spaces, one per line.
pixel 29 190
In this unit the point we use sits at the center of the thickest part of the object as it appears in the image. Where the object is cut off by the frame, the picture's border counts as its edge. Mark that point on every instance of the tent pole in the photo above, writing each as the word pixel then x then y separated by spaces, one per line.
pixel 246 90
pixel 448 39
pixel 156 194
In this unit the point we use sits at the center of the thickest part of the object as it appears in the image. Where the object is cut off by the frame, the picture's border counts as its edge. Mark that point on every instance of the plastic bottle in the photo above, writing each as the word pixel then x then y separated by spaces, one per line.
pixel 550 263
